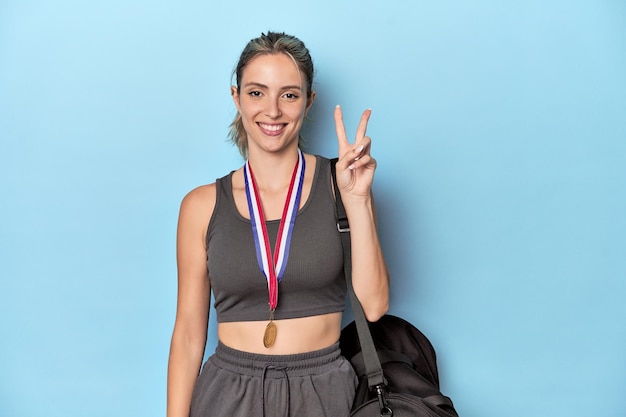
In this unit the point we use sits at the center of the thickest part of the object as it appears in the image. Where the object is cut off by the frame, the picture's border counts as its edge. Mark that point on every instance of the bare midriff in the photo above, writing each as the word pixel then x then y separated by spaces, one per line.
pixel 298 335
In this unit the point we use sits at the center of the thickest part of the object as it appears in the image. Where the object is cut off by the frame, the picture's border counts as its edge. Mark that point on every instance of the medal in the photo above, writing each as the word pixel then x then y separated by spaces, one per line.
pixel 273 267
pixel 269 337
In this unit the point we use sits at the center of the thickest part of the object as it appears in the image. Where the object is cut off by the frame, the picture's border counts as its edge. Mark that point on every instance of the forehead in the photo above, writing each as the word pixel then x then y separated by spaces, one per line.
pixel 272 69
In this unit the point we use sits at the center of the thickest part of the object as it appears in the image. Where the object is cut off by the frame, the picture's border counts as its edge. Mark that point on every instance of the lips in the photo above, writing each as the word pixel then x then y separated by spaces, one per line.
pixel 273 129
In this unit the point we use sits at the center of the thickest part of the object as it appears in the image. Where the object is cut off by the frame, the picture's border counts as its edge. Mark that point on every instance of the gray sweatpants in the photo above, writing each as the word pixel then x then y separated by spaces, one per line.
pixel 233 383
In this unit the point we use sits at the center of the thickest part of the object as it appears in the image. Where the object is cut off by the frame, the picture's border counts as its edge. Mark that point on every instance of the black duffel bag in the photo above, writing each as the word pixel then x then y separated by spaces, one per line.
pixel 410 381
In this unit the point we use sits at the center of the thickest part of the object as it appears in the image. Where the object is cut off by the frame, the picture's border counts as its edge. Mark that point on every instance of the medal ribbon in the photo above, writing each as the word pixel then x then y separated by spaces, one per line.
pixel 274 269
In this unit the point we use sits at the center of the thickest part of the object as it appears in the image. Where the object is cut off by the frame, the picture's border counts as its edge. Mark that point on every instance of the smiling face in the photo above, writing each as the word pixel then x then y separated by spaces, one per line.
pixel 272 101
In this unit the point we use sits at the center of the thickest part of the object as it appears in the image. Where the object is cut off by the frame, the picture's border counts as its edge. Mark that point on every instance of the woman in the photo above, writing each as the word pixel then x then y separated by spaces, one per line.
pixel 264 239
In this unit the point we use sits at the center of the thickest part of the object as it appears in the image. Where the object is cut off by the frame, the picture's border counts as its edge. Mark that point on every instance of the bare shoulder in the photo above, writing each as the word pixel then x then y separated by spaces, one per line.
pixel 199 197
pixel 197 207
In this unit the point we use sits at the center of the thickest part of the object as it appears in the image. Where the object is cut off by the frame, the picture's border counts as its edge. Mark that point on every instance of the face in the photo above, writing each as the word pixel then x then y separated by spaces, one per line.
pixel 272 101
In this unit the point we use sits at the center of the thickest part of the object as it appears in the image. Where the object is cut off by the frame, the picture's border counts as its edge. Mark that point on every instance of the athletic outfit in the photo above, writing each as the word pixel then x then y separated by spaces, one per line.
pixel 313 384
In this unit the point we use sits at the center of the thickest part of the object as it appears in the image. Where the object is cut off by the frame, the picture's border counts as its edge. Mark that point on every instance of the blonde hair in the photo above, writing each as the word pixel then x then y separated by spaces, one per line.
pixel 268 44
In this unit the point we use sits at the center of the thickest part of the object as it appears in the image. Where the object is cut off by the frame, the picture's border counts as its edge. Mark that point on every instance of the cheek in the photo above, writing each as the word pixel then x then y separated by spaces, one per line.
pixel 297 112
pixel 248 109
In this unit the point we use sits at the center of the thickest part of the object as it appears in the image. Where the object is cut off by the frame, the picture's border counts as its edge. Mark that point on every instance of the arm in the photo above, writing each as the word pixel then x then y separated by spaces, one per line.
pixel 190 329
pixel 355 173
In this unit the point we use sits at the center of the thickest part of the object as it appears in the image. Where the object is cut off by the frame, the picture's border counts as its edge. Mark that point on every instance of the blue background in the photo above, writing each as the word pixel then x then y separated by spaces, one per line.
pixel 500 132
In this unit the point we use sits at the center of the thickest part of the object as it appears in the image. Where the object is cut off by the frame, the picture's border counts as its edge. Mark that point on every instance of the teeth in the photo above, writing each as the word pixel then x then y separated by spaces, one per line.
pixel 273 128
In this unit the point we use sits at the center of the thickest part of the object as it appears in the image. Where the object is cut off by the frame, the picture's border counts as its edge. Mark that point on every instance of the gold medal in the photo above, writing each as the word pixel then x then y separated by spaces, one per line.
pixel 269 337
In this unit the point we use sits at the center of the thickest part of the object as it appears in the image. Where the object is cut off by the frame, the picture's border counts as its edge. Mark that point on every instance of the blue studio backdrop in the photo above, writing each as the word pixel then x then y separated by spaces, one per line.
pixel 499 129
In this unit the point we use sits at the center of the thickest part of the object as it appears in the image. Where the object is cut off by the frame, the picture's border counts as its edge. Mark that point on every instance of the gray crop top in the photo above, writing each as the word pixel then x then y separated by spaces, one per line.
pixel 313 283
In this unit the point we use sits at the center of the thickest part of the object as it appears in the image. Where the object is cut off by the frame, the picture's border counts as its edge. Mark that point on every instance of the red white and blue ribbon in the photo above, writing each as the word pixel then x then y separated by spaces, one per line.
pixel 273 267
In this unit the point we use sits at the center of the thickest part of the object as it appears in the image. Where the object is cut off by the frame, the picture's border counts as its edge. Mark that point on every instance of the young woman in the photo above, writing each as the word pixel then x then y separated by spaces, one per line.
pixel 264 240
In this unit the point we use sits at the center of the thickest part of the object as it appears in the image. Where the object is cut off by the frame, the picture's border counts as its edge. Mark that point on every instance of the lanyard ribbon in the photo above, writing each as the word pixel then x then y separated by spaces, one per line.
pixel 274 269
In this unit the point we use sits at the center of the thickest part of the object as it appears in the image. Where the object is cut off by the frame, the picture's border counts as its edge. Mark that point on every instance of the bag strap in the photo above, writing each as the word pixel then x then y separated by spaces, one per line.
pixel 374 370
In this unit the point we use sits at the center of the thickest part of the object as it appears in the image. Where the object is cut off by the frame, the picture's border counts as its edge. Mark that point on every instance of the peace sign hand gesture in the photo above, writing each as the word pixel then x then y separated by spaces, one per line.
pixel 355 167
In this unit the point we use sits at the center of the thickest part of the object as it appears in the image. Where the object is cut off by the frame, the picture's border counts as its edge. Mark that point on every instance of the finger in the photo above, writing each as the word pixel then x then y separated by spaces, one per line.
pixel 361 146
pixel 367 161
pixel 342 138
pixel 360 131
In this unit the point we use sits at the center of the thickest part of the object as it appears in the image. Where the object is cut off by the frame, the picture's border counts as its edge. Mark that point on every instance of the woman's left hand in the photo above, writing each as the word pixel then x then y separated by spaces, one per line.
pixel 355 168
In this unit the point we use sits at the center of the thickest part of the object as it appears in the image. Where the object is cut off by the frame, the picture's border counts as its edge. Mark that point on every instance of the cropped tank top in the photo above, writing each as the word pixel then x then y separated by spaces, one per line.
pixel 313 282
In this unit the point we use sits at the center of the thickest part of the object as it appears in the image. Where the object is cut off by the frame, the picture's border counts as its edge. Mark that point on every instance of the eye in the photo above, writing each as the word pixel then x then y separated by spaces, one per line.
pixel 254 93
pixel 291 96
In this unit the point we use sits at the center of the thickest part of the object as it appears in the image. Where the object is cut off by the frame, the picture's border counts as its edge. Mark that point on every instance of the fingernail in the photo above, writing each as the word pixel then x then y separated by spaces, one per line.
pixel 359 149
pixel 337 106
pixel 351 167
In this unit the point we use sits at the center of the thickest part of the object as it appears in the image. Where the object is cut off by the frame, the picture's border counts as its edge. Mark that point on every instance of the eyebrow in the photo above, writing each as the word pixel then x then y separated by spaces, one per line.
pixel 286 87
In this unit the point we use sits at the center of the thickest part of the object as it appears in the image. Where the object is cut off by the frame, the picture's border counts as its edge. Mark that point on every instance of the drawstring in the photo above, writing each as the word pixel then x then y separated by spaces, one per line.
pixel 280 369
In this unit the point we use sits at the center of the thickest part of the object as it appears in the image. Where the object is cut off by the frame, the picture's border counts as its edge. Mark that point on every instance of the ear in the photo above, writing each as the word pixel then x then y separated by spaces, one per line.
pixel 235 94
pixel 310 102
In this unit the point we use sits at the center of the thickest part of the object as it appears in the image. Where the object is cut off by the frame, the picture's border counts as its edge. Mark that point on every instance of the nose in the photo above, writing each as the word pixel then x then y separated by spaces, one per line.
pixel 273 108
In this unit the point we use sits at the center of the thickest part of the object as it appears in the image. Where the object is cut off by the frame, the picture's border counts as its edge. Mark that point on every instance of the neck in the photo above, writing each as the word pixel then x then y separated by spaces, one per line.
pixel 273 171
